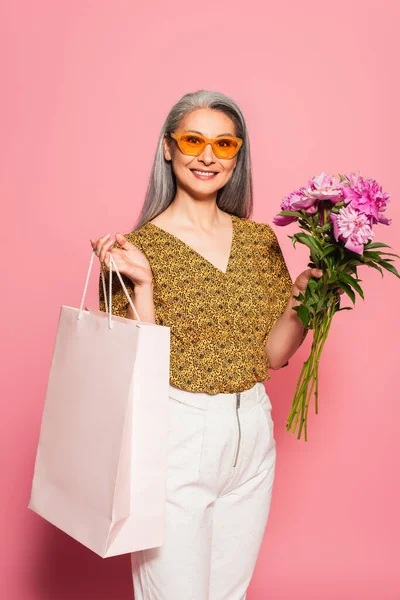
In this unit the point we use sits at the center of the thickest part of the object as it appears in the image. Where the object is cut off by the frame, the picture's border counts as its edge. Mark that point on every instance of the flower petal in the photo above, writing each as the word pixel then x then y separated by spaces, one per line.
pixel 283 220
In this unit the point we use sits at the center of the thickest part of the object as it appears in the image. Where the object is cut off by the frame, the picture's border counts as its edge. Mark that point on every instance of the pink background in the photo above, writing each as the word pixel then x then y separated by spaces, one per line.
pixel 86 86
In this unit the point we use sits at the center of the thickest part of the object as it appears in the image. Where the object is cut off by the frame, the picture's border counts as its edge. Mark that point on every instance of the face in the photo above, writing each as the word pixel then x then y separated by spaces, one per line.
pixel 190 171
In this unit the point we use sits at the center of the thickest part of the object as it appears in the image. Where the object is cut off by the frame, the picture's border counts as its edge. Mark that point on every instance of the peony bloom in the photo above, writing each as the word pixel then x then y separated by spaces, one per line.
pixel 324 187
pixel 353 227
pixel 366 196
pixel 290 202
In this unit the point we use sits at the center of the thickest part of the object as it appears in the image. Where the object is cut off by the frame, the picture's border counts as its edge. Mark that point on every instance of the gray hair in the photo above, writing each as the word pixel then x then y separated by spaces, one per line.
pixel 236 197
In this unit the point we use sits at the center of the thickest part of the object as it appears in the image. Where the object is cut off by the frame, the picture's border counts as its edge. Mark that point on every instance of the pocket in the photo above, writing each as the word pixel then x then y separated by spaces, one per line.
pixel 186 439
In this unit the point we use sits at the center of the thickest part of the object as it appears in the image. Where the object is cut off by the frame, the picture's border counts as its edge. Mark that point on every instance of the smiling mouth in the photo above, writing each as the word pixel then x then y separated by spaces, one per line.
pixel 204 174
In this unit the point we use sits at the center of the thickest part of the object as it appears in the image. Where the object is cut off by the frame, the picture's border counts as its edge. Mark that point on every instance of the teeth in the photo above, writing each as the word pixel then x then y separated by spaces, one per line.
pixel 203 174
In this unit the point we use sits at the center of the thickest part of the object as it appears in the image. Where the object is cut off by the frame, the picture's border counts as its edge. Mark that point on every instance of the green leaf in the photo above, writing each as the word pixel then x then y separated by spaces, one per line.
pixel 290 213
pixel 304 224
pixel 386 265
pixel 356 262
pixel 374 255
pixel 328 250
pixel 326 227
pixel 312 284
pixel 299 297
pixel 376 245
pixel 351 281
pixel 330 261
pixel 304 315
pixel 389 254
pixel 374 266
pixel 309 241
pixel 347 289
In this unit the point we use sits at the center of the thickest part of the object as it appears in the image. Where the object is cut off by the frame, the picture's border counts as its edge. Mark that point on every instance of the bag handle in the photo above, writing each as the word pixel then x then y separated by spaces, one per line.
pixel 112 262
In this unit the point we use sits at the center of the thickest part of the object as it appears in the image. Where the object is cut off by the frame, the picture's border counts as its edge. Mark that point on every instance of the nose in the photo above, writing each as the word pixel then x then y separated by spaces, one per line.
pixel 207 156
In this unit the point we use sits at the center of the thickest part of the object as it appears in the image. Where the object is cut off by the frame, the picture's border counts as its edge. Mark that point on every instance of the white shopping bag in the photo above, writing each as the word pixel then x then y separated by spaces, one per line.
pixel 100 471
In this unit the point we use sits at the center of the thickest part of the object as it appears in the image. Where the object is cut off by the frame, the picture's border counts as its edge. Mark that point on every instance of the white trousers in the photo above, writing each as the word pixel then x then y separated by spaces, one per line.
pixel 221 467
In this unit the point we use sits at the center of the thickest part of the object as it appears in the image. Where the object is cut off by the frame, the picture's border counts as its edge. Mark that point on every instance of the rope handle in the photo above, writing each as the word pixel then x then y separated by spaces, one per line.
pixel 112 263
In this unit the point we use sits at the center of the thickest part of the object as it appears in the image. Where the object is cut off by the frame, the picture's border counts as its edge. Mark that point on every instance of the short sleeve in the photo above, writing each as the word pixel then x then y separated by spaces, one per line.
pixel 120 302
pixel 277 277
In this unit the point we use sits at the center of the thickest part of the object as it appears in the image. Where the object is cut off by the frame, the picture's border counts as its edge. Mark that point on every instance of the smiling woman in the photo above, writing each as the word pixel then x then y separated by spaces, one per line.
pixel 198 264
pixel 205 148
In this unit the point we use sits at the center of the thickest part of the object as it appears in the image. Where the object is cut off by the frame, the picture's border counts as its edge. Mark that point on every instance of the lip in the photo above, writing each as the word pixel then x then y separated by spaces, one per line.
pixel 204 177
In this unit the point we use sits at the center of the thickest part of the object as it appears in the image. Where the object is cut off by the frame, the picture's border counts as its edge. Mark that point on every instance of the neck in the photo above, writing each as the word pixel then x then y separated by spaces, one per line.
pixel 202 212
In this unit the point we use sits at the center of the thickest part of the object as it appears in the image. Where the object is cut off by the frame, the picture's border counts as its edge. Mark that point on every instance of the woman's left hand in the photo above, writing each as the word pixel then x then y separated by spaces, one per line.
pixel 302 280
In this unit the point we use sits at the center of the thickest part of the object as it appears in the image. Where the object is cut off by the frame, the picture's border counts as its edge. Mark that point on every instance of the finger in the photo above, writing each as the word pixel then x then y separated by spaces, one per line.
pixel 122 241
pixel 104 250
pixel 99 243
pixel 316 272
pixel 125 245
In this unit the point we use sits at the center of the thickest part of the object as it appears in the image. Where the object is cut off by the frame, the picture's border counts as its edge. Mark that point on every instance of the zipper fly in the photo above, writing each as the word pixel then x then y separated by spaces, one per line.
pixel 239 429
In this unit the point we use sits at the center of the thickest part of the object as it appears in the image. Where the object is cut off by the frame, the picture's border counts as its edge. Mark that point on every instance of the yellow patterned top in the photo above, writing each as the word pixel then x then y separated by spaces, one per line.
pixel 219 322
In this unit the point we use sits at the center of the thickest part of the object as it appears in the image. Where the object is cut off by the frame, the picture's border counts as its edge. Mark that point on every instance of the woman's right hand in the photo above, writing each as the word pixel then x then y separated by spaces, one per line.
pixel 129 259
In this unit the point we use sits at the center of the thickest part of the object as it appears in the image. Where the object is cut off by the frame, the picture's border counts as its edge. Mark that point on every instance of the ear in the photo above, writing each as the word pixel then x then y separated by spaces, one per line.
pixel 167 147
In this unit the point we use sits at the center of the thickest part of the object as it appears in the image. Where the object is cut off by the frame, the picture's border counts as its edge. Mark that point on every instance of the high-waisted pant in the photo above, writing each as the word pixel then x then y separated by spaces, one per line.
pixel 221 467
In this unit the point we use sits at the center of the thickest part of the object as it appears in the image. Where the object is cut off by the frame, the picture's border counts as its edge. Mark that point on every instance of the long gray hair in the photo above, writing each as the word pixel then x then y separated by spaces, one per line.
pixel 236 197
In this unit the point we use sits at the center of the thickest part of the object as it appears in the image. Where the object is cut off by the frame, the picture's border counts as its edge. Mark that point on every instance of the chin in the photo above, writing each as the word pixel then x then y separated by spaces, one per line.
pixel 200 192
pixel 201 189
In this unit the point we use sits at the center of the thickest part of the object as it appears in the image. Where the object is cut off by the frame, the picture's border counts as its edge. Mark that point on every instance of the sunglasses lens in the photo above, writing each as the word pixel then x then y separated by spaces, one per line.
pixel 226 148
pixel 194 144
pixel 191 144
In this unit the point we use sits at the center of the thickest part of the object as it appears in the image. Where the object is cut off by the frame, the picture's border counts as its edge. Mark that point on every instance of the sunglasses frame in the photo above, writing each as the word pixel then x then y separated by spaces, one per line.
pixel 177 135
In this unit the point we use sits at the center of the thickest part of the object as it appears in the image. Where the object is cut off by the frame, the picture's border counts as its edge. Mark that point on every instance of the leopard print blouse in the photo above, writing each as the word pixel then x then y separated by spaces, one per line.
pixel 219 322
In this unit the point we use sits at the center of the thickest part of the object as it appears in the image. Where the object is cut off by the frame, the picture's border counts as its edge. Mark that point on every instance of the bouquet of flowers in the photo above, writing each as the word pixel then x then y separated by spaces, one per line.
pixel 337 215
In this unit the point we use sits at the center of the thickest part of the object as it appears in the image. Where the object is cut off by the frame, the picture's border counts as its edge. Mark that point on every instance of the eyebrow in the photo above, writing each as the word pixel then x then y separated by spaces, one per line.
pixel 220 135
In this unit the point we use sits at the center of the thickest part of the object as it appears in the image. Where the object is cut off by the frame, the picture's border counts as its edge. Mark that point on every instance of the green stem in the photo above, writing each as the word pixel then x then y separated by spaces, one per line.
pixel 308 379
pixel 302 391
pixel 299 381
pixel 324 334
pixel 300 384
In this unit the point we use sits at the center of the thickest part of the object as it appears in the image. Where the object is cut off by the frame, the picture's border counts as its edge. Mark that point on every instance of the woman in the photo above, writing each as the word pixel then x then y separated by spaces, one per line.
pixel 198 264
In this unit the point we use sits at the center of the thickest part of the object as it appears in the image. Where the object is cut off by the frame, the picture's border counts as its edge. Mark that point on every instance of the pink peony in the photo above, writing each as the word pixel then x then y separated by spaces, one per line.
pixel 353 227
pixel 366 196
pixel 290 202
pixel 324 187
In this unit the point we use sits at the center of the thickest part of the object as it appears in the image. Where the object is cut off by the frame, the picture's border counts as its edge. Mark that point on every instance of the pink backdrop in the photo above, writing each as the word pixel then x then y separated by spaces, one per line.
pixel 86 85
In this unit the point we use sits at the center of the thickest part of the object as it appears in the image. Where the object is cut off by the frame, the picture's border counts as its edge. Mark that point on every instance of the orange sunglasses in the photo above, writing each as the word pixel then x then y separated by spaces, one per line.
pixel 193 144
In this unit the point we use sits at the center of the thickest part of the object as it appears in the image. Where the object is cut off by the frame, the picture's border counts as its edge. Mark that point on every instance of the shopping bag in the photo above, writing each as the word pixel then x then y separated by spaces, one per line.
pixel 100 470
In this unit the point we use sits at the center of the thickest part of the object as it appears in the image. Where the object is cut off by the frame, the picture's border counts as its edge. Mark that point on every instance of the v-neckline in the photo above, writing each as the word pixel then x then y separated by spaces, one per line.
pixel 171 235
